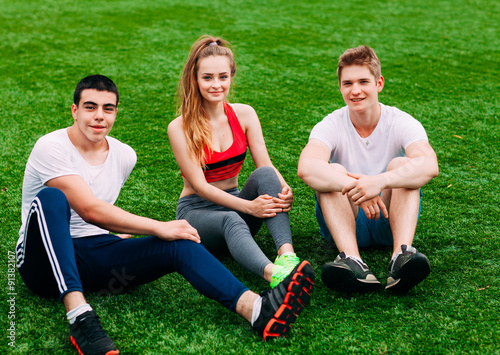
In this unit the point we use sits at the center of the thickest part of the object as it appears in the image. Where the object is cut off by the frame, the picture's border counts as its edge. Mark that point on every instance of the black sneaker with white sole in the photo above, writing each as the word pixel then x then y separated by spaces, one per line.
pixel 346 274
pixel 281 305
pixel 89 338
pixel 407 270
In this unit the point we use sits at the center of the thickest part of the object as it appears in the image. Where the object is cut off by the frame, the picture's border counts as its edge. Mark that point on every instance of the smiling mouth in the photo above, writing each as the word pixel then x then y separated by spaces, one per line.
pixel 357 100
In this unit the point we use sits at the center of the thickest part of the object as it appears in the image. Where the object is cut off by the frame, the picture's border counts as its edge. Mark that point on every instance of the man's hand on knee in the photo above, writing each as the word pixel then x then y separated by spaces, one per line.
pixel 179 229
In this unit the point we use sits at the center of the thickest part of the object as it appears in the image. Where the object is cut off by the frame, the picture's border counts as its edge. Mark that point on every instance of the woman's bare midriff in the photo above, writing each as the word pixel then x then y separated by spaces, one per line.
pixel 222 185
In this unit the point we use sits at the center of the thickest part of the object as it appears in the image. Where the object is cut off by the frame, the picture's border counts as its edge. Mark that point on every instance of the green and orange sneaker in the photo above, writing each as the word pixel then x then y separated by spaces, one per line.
pixel 283 267
pixel 288 261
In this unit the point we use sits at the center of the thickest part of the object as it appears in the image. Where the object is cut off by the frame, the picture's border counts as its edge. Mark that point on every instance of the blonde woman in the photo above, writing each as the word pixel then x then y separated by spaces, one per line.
pixel 209 140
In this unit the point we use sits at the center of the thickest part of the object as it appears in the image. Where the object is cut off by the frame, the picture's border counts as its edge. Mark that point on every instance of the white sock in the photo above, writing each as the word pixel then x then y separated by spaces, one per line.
pixel 257 305
pixel 287 253
pixel 71 315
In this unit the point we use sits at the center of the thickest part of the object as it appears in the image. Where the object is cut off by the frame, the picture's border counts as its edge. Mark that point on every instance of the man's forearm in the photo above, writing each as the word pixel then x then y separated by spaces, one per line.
pixel 413 175
pixel 322 176
pixel 117 220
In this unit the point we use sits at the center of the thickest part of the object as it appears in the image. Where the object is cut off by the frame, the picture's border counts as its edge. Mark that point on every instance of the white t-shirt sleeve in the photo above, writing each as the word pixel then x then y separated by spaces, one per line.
pixel 409 130
pixel 50 160
pixel 325 132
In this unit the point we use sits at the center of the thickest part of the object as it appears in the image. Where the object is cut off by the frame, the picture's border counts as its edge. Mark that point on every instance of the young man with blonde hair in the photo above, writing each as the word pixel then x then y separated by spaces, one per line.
pixel 367 162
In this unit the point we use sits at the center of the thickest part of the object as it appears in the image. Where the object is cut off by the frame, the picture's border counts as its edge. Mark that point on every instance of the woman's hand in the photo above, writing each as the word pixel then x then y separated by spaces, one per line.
pixel 265 206
pixel 285 198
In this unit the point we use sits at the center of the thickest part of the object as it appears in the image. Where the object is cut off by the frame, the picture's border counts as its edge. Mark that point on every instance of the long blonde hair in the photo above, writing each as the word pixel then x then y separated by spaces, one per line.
pixel 194 116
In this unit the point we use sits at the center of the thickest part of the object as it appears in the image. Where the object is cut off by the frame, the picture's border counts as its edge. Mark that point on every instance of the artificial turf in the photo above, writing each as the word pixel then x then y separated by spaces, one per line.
pixel 440 60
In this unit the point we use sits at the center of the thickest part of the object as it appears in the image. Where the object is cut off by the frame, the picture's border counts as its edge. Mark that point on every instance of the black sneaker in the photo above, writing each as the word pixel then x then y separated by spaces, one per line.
pixel 409 269
pixel 282 304
pixel 88 336
pixel 346 274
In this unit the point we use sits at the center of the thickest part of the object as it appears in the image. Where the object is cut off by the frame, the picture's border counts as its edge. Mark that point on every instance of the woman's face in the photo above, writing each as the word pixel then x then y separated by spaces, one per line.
pixel 214 78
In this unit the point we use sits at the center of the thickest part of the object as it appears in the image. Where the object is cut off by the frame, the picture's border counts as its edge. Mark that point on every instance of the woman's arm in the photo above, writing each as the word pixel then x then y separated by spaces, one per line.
pixel 251 126
pixel 262 207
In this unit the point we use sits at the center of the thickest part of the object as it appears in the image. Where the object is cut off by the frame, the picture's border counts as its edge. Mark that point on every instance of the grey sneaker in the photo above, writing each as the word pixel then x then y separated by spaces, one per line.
pixel 407 270
pixel 346 274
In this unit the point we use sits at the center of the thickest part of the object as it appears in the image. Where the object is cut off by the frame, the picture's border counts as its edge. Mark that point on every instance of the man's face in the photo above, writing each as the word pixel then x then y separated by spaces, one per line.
pixel 360 88
pixel 95 114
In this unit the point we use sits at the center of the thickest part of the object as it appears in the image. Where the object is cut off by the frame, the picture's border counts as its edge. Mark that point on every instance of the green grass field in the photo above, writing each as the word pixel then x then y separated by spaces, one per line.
pixel 441 63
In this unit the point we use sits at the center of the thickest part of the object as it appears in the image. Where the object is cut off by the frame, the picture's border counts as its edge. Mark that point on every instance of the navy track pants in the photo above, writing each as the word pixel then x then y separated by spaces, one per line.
pixel 51 263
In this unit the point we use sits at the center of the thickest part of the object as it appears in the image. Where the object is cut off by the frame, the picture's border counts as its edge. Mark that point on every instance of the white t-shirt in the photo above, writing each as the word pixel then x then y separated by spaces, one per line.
pixel 395 131
pixel 54 155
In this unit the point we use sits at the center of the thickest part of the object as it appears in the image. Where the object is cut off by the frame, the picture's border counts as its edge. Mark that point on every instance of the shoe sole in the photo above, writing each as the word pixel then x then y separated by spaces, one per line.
pixel 343 280
pixel 297 297
pixel 73 341
pixel 411 274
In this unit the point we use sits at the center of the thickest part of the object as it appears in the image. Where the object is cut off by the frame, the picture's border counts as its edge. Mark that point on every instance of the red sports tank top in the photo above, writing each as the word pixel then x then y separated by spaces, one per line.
pixel 227 164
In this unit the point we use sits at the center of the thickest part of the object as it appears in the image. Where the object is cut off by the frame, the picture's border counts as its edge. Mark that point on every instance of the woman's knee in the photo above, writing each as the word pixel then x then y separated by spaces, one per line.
pixel 265 172
pixel 265 181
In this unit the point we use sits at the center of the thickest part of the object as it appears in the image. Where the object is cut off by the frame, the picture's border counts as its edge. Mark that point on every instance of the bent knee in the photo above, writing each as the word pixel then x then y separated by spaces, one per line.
pixel 265 172
pixel 265 180
pixel 52 198
pixel 51 192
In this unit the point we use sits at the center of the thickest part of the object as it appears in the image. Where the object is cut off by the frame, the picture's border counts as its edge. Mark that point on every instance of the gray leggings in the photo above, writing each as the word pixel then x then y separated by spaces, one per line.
pixel 219 226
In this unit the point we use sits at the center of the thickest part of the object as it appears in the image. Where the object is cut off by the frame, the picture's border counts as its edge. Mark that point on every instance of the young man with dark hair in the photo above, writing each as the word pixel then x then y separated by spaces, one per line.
pixel 367 162
pixel 72 180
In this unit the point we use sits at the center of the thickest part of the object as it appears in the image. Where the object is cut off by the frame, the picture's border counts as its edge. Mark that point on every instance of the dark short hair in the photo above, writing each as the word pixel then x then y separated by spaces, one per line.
pixel 97 82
